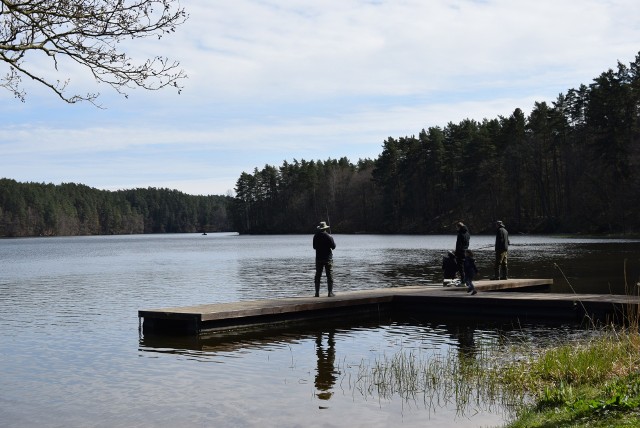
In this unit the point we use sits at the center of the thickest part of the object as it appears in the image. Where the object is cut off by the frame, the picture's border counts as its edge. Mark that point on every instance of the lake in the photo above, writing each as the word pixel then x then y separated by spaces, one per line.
pixel 72 354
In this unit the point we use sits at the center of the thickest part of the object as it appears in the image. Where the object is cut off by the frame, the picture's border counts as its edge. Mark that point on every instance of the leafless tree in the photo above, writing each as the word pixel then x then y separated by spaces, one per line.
pixel 90 33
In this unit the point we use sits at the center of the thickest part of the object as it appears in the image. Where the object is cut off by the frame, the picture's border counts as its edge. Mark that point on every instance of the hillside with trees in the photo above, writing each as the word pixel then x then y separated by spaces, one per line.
pixel 34 209
pixel 571 166
pixel 568 167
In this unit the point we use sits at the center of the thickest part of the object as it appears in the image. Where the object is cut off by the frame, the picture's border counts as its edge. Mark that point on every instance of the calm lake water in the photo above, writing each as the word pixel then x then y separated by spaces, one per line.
pixel 72 355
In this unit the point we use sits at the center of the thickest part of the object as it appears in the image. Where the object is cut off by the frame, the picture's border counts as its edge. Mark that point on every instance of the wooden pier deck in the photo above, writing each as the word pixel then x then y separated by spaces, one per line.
pixel 495 299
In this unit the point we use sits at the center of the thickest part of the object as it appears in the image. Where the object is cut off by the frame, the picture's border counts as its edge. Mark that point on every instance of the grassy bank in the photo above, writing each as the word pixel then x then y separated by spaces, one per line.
pixel 591 384
pixel 595 384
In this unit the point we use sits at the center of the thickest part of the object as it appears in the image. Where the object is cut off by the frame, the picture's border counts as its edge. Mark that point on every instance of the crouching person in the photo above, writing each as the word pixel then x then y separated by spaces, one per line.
pixel 449 269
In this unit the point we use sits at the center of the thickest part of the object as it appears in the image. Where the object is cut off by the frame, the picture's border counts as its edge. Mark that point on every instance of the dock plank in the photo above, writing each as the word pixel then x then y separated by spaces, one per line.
pixel 494 298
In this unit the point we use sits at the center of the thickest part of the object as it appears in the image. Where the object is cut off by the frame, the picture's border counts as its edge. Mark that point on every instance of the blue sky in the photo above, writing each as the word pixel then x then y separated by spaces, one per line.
pixel 271 81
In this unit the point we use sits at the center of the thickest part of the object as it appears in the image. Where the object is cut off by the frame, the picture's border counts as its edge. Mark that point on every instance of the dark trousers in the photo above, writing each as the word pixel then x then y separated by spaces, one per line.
pixel 460 260
pixel 327 266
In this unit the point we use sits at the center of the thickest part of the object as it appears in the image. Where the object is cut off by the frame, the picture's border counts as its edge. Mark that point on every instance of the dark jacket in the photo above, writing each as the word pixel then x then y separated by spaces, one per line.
pixel 462 241
pixel 502 239
pixel 470 269
pixel 323 244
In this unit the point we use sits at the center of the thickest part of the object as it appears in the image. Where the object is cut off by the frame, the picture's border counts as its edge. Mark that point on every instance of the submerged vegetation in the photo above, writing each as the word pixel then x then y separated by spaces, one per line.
pixel 437 380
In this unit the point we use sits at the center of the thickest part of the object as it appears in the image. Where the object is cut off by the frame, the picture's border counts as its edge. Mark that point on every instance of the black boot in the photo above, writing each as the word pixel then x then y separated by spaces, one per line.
pixel 330 286
pixel 317 290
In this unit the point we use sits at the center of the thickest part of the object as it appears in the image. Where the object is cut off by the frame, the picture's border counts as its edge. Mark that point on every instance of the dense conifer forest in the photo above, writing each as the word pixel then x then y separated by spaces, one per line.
pixel 568 167
pixel 33 209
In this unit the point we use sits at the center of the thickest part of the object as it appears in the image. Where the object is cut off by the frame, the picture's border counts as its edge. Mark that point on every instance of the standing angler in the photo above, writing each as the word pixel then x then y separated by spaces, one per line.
pixel 501 247
pixel 323 243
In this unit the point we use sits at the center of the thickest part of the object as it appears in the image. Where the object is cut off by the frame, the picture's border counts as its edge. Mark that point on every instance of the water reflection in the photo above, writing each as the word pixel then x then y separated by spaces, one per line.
pixel 322 332
pixel 349 354
pixel 465 336
pixel 326 373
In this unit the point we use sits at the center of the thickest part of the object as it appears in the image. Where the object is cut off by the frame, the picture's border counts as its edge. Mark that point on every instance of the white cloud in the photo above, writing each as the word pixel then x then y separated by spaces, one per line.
pixel 394 48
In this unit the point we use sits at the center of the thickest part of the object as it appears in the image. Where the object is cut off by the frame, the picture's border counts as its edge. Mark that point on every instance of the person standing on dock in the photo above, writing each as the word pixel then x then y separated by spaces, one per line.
pixel 501 248
pixel 323 243
pixel 462 245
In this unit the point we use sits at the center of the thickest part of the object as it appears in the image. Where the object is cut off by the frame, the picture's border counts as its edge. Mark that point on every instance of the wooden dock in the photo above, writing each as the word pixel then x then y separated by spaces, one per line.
pixel 514 298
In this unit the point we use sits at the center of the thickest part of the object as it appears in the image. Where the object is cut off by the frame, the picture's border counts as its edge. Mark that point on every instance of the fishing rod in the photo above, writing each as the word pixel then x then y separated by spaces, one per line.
pixel 484 247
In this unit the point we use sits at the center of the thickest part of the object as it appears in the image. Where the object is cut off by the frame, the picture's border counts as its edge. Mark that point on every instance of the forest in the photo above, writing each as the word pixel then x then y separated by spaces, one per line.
pixel 34 209
pixel 567 167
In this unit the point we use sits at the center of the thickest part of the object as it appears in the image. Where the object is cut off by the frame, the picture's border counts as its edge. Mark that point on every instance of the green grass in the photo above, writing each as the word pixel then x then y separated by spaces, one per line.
pixel 596 384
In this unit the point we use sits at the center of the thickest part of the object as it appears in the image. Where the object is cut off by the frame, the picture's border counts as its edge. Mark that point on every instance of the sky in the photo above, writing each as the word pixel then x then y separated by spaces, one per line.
pixel 282 80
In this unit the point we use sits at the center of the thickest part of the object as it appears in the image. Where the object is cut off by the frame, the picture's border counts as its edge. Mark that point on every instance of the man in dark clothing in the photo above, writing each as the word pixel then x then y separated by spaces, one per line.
pixel 323 243
pixel 462 245
pixel 501 248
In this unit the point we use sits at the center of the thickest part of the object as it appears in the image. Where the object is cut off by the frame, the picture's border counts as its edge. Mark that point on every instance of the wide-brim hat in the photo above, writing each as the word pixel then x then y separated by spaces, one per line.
pixel 323 226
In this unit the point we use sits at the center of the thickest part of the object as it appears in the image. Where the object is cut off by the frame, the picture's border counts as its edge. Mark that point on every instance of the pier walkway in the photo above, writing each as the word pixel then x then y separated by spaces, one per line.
pixel 514 298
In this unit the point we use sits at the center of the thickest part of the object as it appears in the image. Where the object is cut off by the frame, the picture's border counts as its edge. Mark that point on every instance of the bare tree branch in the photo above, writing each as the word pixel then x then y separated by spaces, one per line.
pixel 88 32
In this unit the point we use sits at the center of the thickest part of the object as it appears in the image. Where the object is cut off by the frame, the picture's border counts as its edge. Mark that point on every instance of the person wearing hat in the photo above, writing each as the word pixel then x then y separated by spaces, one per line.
pixel 501 248
pixel 323 243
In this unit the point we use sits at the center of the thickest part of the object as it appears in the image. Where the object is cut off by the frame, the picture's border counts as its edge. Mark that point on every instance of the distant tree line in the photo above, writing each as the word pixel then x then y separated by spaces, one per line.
pixel 34 209
pixel 292 198
pixel 572 166
pixel 567 167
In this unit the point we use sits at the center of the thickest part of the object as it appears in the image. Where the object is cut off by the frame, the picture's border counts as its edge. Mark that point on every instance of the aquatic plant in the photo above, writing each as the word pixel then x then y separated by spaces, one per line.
pixel 436 379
